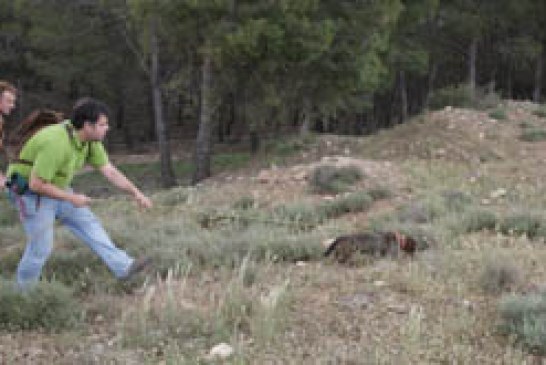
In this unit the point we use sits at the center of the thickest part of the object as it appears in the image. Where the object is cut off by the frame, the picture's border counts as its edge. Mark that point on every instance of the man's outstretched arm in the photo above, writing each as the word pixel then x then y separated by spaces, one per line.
pixel 116 177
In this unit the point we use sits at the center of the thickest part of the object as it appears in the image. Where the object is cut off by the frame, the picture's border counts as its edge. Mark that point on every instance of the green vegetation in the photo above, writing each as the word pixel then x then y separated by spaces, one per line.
pixel 328 179
pixel 540 111
pixel 526 223
pixel 48 306
pixel 499 274
pixel 533 135
pixel 463 97
pixel 523 317
pixel 498 114
pixel 9 215
pixel 248 303
pixel 455 96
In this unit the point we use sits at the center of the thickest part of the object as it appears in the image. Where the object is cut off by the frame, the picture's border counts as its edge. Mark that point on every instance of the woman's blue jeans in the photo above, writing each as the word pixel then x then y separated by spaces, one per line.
pixel 38 214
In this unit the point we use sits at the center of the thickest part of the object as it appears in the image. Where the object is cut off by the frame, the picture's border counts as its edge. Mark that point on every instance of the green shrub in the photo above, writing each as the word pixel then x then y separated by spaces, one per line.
pixel 328 179
pixel 526 124
pixel 217 219
pixel 522 223
pixel 498 274
pixel 351 203
pixel 414 213
pixel 420 212
pixel 9 216
pixel 456 96
pixel 81 270
pixel 540 111
pixel 485 99
pixel 300 215
pixel 524 318
pixel 379 193
pixel 456 201
pixel 289 146
pixel 533 135
pixel 476 220
pixel 48 305
pixel 307 216
pixel 244 203
pixel 461 96
pixel 498 114
pixel 9 261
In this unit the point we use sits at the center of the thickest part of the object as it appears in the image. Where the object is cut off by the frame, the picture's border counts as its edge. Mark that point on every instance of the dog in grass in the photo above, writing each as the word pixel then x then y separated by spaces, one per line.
pixel 375 244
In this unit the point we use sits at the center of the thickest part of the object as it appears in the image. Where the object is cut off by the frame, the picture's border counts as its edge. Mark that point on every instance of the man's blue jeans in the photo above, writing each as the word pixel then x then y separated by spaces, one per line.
pixel 38 214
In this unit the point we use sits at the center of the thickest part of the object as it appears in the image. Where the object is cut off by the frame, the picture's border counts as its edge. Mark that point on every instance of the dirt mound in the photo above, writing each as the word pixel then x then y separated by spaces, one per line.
pixel 376 173
pixel 456 134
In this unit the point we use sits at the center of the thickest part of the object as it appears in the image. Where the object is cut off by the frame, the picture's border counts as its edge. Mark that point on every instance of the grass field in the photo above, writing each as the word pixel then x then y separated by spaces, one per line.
pixel 239 259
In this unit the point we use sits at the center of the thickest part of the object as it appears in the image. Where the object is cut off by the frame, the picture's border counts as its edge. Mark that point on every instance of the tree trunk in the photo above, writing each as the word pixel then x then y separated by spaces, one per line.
pixel 472 58
pixel 403 97
pixel 509 82
pixel 167 172
pixel 202 152
pixel 305 127
pixel 254 140
pixel 433 68
pixel 538 77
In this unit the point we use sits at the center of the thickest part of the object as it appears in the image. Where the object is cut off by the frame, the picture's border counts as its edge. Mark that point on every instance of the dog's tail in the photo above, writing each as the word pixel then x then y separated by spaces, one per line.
pixel 330 245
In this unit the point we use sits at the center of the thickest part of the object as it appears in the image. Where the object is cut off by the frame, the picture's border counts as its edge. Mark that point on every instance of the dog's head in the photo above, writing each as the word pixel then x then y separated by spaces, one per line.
pixel 408 244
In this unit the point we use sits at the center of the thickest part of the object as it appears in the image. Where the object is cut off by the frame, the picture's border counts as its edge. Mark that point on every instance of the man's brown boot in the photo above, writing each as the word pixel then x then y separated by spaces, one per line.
pixel 137 266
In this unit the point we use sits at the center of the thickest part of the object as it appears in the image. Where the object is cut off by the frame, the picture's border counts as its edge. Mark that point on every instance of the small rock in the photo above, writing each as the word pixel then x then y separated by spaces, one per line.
pixel 499 193
pixel 357 301
pixel 222 351
pixel 264 177
pixel 301 263
pixel 97 349
pixel 397 308
pixel 379 283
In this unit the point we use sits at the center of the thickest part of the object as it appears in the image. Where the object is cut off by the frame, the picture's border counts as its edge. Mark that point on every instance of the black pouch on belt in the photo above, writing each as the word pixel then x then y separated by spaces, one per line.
pixel 17 183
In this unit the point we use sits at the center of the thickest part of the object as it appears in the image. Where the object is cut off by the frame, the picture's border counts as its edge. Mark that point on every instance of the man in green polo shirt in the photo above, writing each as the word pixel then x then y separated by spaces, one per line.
pixel 48 161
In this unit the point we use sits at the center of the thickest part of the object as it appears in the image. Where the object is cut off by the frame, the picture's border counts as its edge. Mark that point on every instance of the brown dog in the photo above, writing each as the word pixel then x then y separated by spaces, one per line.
pixel 378 244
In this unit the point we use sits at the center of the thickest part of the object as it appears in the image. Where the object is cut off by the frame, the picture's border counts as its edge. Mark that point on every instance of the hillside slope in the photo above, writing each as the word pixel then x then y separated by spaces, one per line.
pixel 239 257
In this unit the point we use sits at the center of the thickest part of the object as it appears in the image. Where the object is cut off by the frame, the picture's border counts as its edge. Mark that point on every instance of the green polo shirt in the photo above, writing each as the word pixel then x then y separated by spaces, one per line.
pixel 56 154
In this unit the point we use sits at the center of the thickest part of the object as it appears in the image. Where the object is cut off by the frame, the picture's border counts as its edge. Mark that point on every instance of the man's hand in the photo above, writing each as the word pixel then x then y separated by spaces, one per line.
pixel 80 200
pixel 116 177
pixel 142 200
pixel 2 182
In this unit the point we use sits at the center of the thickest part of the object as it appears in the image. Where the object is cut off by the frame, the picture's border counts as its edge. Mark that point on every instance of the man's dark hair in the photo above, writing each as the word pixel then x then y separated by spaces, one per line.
pixel 88 110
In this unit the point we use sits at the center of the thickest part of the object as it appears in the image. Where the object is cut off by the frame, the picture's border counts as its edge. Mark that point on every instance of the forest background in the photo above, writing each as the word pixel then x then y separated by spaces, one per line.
pixel 201 73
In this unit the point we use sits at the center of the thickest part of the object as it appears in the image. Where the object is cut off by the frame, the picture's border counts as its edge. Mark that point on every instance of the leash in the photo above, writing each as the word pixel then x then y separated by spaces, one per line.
pixel 21 206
